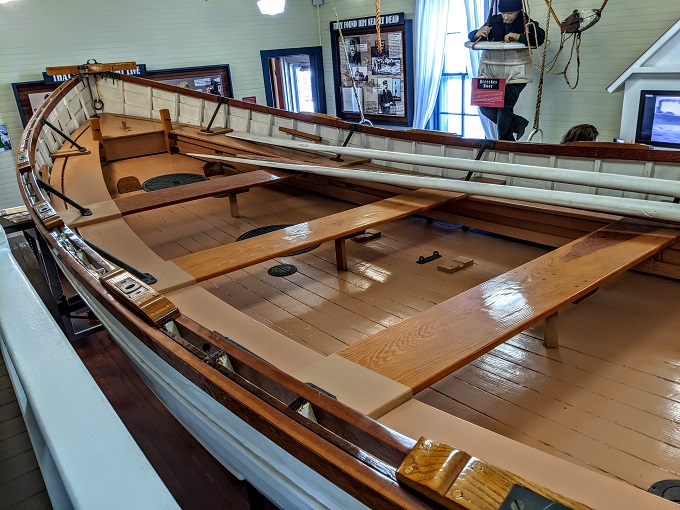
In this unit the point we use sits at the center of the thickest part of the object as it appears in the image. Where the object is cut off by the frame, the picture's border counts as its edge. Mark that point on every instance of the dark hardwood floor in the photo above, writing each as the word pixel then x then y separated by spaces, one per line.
pixel 192 475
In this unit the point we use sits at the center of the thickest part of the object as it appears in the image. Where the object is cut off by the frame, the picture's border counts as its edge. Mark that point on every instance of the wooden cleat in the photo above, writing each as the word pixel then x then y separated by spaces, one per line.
pixel 455 264
pixel 218 131
pixel 368 235
pixel 464 261
pixel 449 268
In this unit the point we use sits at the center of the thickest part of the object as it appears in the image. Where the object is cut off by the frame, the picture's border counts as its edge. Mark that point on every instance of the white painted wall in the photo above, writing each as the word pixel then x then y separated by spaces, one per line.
pixel 163 34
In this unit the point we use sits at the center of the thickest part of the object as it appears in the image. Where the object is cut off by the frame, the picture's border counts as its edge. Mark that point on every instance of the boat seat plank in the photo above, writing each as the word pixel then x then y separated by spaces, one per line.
pixel 427 347
pixel 224 259
pixel 170 196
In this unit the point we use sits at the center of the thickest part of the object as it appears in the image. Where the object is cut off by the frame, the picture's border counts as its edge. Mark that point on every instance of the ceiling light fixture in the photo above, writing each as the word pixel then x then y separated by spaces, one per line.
pixel 271 7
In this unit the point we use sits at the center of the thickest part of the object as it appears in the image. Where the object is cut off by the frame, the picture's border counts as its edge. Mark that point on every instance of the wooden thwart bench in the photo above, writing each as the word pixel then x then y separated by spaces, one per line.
pixel 224 259
pixel 124 206
pixel 425 348
pixel 231 184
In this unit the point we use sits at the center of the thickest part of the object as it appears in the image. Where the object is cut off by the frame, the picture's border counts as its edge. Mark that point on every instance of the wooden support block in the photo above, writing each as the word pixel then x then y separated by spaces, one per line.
pixel 449 267
pixel 128 184
pixel 218 131
pixel 300 134
pixel 550 337
pixel 68 153
pixel 167 128
pixel 96 127
pixel 233 205
pixel 455 264
pixel 341 254
pixel 368 235
pixel 464 261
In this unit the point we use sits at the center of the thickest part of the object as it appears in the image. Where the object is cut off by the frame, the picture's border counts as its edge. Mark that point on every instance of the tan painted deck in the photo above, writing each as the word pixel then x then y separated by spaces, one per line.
pixel 608 398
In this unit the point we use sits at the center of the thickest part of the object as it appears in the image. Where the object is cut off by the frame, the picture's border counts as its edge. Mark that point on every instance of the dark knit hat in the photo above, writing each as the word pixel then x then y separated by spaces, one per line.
pixel 509 5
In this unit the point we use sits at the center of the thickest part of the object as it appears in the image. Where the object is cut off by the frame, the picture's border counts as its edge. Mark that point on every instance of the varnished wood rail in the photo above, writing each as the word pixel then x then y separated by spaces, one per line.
pixel 427 347
pixel 224 259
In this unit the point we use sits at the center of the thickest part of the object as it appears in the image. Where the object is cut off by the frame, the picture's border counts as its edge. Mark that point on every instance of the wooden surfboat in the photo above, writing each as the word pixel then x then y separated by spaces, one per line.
pixel 243 382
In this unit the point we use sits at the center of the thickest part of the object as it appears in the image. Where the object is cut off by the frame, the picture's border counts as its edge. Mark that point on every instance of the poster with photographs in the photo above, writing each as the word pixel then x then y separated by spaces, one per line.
pixel 379 75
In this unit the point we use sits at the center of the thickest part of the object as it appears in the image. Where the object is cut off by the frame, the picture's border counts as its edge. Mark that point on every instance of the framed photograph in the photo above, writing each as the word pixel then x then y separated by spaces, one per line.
pixel 382 74
pixel 5 142
pixel 212 79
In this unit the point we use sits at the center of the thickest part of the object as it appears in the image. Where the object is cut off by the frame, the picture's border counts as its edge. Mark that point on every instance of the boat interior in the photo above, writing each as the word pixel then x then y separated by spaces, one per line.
pixel 554 328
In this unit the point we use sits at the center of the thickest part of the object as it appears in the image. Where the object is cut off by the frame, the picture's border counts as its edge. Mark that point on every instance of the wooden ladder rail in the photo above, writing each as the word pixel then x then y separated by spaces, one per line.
pixel 427 347
pixel 336 227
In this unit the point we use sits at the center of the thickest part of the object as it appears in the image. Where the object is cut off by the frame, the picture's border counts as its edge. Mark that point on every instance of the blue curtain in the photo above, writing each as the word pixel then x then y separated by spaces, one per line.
pixel 431 20
pixel 477 12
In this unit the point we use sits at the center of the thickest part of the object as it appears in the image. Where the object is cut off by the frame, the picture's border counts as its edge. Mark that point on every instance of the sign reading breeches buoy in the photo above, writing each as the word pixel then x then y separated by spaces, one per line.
pixel 489 92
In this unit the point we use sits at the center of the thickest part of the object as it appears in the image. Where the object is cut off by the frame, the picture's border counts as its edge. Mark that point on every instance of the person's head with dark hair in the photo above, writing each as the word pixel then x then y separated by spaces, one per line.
pixel 581 133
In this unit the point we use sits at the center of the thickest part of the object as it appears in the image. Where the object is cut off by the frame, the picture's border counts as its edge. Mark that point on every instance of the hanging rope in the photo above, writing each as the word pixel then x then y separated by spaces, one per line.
pixel 539 95
pixel 349 67
pixel 377 25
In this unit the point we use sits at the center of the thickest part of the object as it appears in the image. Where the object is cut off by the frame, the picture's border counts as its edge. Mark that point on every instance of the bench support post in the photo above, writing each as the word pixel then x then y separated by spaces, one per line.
pixel 167 128
pixel 341 254
pixel 550 339
pixel 233 205
pixel 97 136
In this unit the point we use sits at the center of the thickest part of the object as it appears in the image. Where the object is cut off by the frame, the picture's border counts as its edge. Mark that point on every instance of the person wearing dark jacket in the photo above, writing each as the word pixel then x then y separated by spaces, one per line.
pixel 515 66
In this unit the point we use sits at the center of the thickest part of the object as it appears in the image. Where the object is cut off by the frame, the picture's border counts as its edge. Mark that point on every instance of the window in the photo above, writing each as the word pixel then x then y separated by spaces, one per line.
pixel 454 113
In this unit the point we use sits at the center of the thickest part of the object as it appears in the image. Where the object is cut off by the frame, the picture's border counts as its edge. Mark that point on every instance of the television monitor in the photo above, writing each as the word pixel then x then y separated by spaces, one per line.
pixel 659 118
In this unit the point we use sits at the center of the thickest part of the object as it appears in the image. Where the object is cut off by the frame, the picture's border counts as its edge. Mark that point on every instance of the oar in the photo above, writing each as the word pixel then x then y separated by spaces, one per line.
pixel 648 209
pixel 648 185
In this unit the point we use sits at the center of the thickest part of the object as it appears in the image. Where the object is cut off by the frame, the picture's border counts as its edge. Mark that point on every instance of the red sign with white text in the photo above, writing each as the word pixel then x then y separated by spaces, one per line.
pixel 488 92
pixel 249 99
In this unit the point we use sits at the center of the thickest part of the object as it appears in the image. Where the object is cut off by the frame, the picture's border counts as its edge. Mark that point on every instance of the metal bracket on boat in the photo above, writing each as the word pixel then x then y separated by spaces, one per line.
pixel 352 129
pixel 482 145
pixel 47 215
pixel 146 302
pixel 222 100
pixel 424 260
pixel 302 406
pixel 54 128
pixel 83 210
pixel 144 277
pixel 219 358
